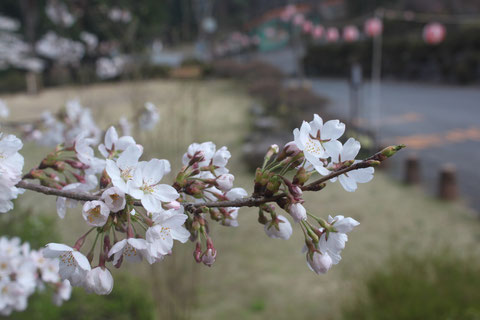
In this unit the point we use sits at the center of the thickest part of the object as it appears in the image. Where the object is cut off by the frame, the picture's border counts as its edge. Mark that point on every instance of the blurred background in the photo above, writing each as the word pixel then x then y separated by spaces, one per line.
pixel 244 74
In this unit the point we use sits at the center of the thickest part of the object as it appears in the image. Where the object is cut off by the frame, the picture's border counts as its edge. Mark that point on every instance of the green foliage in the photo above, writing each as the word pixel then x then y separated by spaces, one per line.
pixel 12 81
pixel 37 229
pixel 128 300
pixel 440 286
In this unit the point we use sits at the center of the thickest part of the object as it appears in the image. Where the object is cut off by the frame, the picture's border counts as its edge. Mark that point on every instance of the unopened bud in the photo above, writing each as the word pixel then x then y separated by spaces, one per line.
pixel 173 205
pixel 373 163
pixel 271 151
pixel 293 189
pixel 273 186
pixel 390 151
pixel 225 182
pixel 209 256
pixel 301 177
pixel 197 157
pixel 77 164
pixel 59 166
pixel 298 212
pixel 104 180
pixel 197 253
pixel 289 150
pixel 319 262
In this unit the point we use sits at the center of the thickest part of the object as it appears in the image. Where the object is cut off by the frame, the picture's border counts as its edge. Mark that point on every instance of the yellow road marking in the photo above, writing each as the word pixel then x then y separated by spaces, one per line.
pixel 422 141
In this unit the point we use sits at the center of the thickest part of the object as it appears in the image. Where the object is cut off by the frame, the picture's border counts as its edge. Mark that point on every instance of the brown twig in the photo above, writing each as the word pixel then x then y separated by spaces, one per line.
pixel 83 196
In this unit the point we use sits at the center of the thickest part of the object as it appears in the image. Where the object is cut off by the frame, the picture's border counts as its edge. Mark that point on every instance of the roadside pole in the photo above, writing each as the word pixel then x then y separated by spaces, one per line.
pixel 376 82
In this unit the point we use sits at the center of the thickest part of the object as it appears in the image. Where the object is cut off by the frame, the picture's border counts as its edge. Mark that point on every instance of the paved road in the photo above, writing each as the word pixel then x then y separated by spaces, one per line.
pixel 441 124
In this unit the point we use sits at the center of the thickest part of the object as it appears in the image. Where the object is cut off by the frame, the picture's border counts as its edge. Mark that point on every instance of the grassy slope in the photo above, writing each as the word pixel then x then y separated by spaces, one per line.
pixel 254 276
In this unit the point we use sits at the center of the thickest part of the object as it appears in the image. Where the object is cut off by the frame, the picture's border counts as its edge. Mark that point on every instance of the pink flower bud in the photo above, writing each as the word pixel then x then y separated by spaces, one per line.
pixel 298 212
pixel 209 257
pixel 173 205
pixel 99 280
pixel 225 182
pixel 318 262
pixel 197 253
pixel 289 150
pixel 279 228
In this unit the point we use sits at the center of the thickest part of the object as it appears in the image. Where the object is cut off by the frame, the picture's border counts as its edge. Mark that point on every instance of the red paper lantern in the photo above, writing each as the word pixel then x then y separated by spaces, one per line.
pixel 434 33
pixel 317 32
pixel 373 27
pixel 350 33
pixel 332 34
pixel 307 26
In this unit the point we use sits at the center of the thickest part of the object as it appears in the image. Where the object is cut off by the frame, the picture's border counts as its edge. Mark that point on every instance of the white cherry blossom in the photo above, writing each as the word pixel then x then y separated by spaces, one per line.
pixel 122 170
pixel 114 144
pixel 168 226
pixel 335 242
pixel 146 186
pixel 130 249
pixel 349 180
pixel 11 166
pixel 114 198
pixel 95 213
pixel 72 263
pixel 63 292
pixel 319 141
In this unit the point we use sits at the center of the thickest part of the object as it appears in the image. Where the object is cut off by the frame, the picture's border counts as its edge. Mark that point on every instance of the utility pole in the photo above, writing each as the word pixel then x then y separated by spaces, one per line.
pixel 376 81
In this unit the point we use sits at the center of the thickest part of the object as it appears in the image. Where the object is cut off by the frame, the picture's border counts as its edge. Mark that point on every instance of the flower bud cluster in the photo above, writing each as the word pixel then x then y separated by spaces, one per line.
pixel 24 271
pixel 205 178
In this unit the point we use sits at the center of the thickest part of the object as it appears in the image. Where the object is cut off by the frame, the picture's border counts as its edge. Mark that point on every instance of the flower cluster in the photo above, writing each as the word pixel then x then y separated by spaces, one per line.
pixel 23 271
pixel 58 13
pixel 63 50
pixel 316 148
pixel 108 68
pixel 319 143
pixel 74 119
pixel 63 127
pixel 11 166
pixel 133 214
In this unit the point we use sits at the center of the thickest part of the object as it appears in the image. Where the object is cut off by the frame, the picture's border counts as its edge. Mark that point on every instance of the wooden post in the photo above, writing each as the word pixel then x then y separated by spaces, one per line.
pixel 32 82
pixel 412 170
pixel 447 189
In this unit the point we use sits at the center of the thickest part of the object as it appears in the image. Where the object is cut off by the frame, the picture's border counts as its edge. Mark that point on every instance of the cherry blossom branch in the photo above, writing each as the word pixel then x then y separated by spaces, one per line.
pixel 245 202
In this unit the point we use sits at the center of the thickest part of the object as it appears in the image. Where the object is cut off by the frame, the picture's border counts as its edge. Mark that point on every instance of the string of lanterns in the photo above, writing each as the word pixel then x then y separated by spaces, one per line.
pixel 433 32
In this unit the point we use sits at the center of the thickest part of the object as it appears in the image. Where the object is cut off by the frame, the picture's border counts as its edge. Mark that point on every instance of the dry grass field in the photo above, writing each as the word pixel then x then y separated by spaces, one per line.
pixel 255 277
